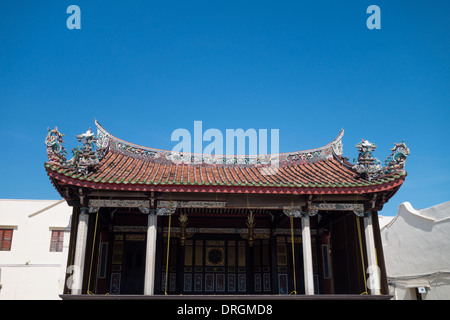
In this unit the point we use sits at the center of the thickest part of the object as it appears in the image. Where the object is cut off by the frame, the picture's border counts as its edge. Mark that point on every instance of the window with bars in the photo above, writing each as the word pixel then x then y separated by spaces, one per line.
pixel 57 241
pixel 5 239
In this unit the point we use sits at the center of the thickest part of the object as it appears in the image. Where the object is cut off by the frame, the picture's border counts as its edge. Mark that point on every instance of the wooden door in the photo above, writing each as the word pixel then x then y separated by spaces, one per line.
pixel 133 267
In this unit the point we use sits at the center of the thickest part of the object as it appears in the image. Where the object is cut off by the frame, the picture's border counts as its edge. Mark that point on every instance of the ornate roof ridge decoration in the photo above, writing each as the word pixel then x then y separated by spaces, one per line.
pixel 370 167
pixel 135 168
pixel 56 152
pixel 395 162
pixel 84 159
pixel 94 148
pixel 105 140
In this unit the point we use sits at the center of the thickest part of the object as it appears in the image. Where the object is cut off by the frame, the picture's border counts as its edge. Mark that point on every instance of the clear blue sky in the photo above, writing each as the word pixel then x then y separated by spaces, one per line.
pixel 307 68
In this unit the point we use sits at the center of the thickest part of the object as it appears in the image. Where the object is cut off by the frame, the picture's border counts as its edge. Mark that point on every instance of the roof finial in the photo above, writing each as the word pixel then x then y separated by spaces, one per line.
pixel 55 150
pixel 367 165
pixel 86 158
pixel 396 160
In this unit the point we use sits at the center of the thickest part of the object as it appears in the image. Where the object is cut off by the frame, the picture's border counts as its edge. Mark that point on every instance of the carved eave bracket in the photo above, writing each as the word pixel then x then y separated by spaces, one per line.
pixel 165 211
pixel 359 213
pixel 144 210
pixel 296 213
pixel 93 209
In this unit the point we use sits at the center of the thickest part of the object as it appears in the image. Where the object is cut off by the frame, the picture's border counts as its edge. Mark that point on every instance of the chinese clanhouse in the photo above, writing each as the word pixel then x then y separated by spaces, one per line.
pixel 144 224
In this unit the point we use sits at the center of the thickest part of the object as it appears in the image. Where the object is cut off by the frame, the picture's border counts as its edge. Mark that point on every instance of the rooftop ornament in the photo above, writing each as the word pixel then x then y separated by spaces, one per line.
pixel 367 165
pixel 370 167
pixel 395 162
pixel 56 152
pixel 84 158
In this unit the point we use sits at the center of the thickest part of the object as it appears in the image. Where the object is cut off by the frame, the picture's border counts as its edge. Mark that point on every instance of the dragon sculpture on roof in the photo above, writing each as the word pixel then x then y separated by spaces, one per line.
pixel 84 158
pixel 370 167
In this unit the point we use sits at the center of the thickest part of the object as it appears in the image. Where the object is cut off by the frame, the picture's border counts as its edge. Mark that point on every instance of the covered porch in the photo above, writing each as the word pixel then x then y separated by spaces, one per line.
pixel 225 245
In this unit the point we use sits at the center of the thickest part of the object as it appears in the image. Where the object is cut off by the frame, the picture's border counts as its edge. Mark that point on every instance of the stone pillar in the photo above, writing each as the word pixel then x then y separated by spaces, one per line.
pixel 150 257
pixel 373 281
pixel 80 252
pixel 307 255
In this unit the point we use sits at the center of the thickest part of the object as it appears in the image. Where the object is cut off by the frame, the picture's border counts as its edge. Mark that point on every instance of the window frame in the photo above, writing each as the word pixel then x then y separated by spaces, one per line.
pixel 57 245
pixel 3 239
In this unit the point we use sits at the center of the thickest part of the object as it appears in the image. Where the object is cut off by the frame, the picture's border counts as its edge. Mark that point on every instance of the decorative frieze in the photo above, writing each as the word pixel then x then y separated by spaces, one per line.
pixel 107 203
pixel 129 229
pixel 258 233
pixel 337 206
pixel 192 204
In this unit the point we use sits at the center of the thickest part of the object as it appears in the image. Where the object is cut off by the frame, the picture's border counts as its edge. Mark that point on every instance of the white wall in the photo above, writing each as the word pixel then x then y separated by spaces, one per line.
pixel 29 270
pixel 416 245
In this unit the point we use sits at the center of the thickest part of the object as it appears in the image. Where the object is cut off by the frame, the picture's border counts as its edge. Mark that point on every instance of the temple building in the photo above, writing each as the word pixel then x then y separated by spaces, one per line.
pixel 152 222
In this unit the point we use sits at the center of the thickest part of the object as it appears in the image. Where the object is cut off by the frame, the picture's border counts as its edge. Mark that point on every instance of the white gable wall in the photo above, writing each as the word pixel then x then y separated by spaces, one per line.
pixel 416 245
pixel 29 270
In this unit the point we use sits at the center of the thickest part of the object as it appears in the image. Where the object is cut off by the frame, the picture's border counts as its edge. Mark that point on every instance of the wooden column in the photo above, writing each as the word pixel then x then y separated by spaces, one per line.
pixel 150 257
pixel 307 255
pixel 380 254
pixel 373 281
pixel 326 269
pixel 80 252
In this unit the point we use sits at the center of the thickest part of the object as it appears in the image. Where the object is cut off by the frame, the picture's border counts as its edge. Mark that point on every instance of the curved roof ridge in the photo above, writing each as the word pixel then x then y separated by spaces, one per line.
pixel 106 139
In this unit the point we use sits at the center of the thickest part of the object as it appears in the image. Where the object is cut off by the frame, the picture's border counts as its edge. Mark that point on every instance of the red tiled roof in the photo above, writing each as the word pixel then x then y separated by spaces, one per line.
pixel 130 167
